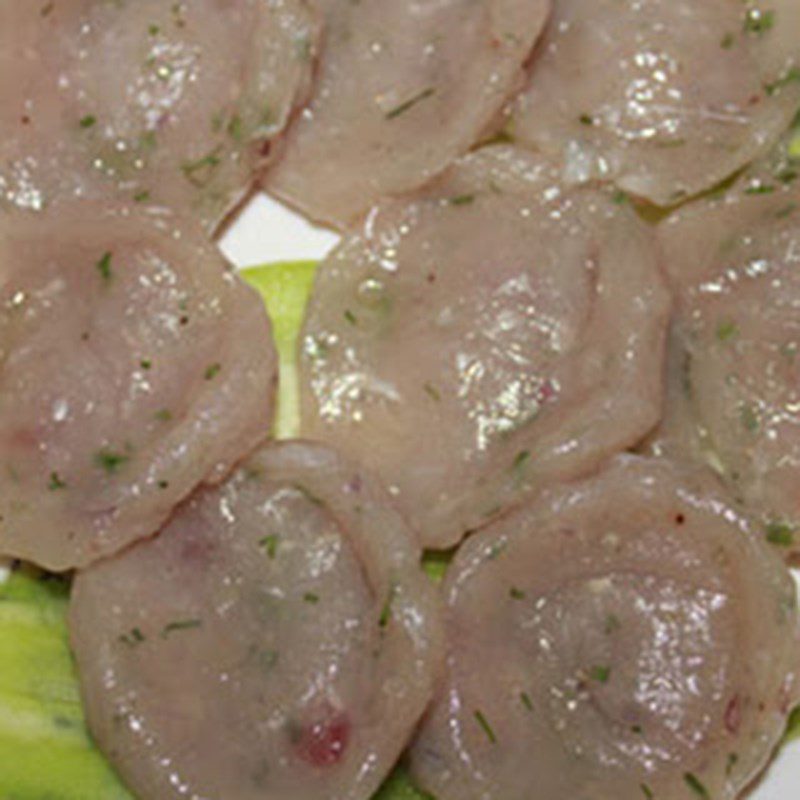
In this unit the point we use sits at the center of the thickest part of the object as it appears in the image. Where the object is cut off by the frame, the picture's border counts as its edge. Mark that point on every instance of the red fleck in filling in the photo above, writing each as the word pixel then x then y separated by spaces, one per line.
pixel 323 742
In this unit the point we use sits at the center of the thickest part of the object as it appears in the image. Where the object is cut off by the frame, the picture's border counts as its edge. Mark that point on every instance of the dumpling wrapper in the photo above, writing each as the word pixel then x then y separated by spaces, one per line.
pixel 403 89
pixel 279 639
pixel 482 338
pixel 664 97
pixel 153 103
pixel 624 637
pixel 134 365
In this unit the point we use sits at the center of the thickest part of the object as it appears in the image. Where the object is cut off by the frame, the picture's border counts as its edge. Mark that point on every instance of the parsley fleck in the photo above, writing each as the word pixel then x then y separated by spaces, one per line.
pixel 727 41
pixel 516 594
pixel 270 545
pixel 521 461
pixel 104 265
pixel 526 700
pixel 462 200
pixel 201 171
pixel 586 119
pixel 133 638
pixel 311 598
pixel 791 76
pixel 386 611
pixel 145 363
pixel 733 759
pixel 727 330
pixel 403 107
pixel 235 128
pixel 180 625
pixel 749 418
pixel 760 188
pixel 758 21
pixel 432 392
pixel 695 785
pixel 600 674
pixel 142 196
pixel 780 533
pixel 350 317
pixel 88 121
pixel 212 371
pixel 56 483
pixel 485 726
pixel 646 791
pixel 110 461
pixel 620 197
pixel 163 415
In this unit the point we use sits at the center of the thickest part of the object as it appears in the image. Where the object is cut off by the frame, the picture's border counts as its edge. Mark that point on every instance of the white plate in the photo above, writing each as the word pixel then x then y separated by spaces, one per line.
pixel 269 232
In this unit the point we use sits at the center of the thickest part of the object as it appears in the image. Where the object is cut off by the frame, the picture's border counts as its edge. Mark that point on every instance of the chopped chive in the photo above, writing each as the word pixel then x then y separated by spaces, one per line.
pixel 235 128
pixel 760 188
pixel 104 265
pixel 586 119
pixel 526 700
pixel 733 760
pixel 695 785
pixel 145 363
pixel 600 674
pixel 485 726
pixel 516 594
pixel 521 461
pixel 350 317
pixel 56 483
pixel 141 197
pixel 212 371
pixel 270 545
pixel 153 30
pixel 180 625
pixel 88 121
pixel 403 107
pixel 163 485
pixel 462 200
pixel 727 41
pixel 749 418
pixel 620 197
pixel 646 791
pixel 311 598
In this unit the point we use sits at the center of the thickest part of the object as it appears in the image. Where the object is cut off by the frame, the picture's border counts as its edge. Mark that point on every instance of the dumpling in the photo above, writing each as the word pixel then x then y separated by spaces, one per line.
pixel 280 624
pixel 158 102
pixel 133 366
pixel 403 89
pixel 484 337
pixel 664 97
pixel 735 388
pixel 623 638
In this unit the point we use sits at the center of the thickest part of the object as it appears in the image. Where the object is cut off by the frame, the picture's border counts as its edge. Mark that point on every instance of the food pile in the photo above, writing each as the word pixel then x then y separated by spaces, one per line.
pixel 558 348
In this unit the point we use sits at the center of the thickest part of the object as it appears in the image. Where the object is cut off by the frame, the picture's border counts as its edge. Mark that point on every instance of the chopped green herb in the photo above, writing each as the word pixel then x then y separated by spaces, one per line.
pixel 462 200
pixel 386 611
pixel 600 674
pixel 145 363
pixel 791 76
pixel 760 188
pixel 521 461
pixel 749 418
pixel 694 784
pixel 212 371
pixel 163 485
pixel 163 415
pixel 132 638
pixel 104 266
pixel 350 317
pixel 201 171
pixel 733 759
pixel 110 461
pixel 235 128
pixel 432 392
pixel 141 197
pixel 403 107
pixel 485 726
pixel 758 21
pixel 180 625
pixel 47 9
pixel 88 121
pixel 612 624
pixel 780 533
pixel 310 597
pixel 586 119
pixel 620 197
pixel 727 330
pixel 56 483
pixel 310 496
pixel 496 549
pixel 153 30
pixel 270 545
pixel 526 700
pixel 727 41
pixel 516 594
pixel 793 725
pixel 647 791
pixel 637 729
